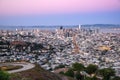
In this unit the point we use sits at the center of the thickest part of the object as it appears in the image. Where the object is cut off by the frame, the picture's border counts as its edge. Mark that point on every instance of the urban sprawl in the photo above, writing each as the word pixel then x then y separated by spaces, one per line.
pixel 51 48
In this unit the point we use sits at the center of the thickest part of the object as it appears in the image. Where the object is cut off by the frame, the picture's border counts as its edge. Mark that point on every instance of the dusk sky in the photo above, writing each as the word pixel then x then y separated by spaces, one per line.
pixel 59 12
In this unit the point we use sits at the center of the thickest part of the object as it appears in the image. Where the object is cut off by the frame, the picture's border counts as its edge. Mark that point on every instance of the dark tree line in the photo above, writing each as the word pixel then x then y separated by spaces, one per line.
pixel 79 72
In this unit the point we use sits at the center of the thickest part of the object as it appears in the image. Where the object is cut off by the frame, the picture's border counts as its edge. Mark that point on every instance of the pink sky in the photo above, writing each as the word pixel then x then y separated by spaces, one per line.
pixel 22 7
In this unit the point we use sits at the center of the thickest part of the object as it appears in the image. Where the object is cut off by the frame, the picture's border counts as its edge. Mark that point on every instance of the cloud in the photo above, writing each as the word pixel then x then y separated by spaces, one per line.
pixel 22 7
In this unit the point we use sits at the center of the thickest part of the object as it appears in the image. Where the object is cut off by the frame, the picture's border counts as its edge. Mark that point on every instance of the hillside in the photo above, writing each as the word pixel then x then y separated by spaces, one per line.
pixel 37 73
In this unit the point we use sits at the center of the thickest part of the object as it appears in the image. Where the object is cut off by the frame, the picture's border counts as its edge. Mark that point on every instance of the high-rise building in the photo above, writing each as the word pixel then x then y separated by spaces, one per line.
pixel 79 26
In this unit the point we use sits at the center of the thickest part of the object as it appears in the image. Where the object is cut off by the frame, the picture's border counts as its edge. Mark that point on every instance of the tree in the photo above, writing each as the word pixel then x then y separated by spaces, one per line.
pixel 4 75
pixel 61 73
pixel 70 73
pixel 78 76
pixel 60 66
pixel 94 78
pixel 78 67
pixel 91 69
pixel 87 78
pixel 107 73
pixel 91 78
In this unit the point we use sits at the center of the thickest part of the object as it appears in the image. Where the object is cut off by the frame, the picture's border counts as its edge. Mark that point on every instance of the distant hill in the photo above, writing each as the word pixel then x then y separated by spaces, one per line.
pixel 102 25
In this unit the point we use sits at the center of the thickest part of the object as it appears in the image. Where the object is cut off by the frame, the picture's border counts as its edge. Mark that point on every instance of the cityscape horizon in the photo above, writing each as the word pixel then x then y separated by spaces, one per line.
pixel 59 39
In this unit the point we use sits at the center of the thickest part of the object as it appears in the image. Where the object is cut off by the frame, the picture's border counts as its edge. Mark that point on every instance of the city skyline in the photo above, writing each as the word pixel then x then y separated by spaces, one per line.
pixel 59 12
